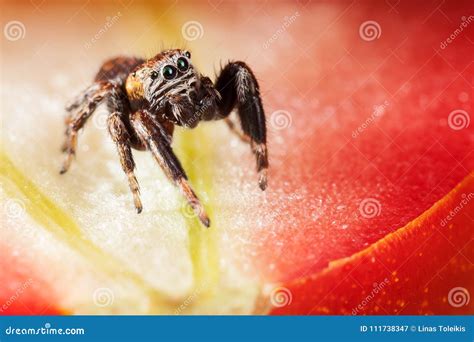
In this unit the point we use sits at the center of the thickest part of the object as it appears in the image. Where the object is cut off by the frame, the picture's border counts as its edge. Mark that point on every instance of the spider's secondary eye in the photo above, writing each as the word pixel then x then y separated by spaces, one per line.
pixel 183 64
pixel 169 72
pixel 187 54
pixel 154 74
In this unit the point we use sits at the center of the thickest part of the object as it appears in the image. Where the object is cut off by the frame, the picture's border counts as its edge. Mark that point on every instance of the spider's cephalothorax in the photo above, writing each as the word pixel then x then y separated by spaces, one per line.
pixel 146 98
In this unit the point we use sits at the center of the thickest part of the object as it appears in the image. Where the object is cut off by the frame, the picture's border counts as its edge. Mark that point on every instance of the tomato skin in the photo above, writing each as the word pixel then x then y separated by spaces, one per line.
pixel 339 152
pixel 374 127
pixel 417 270
pixel 23 292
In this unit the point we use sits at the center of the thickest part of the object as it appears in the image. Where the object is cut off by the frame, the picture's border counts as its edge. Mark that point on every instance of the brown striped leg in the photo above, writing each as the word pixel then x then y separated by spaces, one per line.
pixel 80 99
pixel 158 141
pixel 78 119
pixel 120 135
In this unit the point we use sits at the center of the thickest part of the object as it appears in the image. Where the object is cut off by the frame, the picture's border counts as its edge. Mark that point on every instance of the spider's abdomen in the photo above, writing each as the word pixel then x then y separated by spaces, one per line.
pixel 117 68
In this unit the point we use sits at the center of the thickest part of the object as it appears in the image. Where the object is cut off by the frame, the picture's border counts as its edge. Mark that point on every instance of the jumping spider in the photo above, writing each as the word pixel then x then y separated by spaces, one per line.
pixel 146 98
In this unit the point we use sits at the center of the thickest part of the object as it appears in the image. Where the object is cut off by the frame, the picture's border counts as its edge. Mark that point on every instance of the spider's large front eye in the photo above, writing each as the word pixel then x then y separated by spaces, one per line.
pixel 183 64
pixel 169 72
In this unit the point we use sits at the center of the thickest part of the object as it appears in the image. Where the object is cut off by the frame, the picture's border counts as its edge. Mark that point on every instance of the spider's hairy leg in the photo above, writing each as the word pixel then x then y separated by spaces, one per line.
pixel 158 141
pixel 122 139
pixel 77 120
pixel 82 97
pixel 239 88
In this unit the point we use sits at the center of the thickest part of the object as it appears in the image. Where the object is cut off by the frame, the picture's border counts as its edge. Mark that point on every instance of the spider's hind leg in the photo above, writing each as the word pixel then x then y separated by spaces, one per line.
pixel 80 110
pixel 239 88
pixel 81 97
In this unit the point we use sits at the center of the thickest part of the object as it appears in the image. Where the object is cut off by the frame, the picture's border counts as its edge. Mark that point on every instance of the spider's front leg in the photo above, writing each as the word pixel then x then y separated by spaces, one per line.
pixel 239 88
pixel 154 136
pixel 122 138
